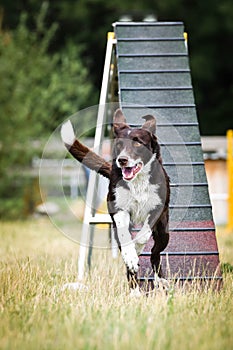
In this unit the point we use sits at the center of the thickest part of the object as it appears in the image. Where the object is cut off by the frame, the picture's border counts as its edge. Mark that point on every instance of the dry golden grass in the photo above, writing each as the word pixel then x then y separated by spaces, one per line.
pixel 36 260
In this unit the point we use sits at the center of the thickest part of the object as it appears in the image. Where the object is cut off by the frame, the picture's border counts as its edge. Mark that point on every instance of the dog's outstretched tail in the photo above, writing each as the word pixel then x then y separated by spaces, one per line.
pixel 82 153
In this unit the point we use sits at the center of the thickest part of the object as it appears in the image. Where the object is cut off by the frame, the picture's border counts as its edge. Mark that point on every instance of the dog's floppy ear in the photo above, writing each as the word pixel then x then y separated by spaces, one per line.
pixel 150 123
pixel 119 121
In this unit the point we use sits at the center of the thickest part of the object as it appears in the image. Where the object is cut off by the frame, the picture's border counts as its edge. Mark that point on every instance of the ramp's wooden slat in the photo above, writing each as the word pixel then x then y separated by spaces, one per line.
pixel 152 62
pixel 140 30
pixel 148 46
pixel 150 96
pixel 154 78
pixel 171 115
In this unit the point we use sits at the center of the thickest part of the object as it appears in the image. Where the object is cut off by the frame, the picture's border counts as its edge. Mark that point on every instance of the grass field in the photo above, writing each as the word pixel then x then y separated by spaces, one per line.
pixel 36 260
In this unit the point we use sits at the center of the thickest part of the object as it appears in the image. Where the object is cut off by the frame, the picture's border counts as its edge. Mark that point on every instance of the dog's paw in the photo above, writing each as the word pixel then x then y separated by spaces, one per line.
pixel 135 292
pixel 130 257
pixel 161 284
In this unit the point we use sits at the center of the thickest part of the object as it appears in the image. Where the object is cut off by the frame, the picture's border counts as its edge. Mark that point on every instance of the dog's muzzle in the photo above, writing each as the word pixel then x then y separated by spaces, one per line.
pixel 129 172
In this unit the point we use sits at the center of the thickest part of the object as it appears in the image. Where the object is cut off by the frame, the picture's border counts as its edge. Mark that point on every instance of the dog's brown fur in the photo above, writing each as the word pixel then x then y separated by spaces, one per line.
pixel 90 159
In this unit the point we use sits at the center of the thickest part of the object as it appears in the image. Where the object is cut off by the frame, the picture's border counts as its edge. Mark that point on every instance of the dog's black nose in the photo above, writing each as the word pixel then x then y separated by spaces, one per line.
pixel 123 161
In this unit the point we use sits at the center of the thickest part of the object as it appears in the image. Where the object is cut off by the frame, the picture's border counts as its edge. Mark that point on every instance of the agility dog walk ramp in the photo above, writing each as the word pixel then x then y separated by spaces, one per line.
pixel 153 74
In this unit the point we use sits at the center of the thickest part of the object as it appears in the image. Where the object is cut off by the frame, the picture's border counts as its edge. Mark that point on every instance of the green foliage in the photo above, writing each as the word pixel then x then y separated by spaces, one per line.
pixel 38 90
pixel 12 208
pixel 227 268
pixel 19 196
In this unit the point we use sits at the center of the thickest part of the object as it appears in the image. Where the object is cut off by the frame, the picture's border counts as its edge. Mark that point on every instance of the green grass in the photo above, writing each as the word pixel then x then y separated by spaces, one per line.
pixel 36 260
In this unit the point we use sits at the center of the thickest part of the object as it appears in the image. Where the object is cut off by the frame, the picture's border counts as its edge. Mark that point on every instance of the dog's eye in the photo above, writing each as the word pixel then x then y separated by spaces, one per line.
pixel 119 145
pixel 136 143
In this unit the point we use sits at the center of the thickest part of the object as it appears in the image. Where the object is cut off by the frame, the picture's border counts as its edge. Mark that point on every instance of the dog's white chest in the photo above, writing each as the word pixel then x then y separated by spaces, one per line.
pixel 139 199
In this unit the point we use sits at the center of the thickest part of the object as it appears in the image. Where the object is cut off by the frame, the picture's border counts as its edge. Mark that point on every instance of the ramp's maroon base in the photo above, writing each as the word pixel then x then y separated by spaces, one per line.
pixel 192 254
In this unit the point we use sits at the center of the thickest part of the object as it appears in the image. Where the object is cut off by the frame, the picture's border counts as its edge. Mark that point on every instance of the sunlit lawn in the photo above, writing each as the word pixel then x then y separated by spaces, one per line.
pixel 36 260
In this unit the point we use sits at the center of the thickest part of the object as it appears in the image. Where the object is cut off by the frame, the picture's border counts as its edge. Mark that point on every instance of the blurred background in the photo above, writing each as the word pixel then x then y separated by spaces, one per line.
pixel 51 65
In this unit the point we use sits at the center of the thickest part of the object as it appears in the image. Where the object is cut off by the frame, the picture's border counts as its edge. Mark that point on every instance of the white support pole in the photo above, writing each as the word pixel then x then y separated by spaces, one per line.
pixel 230 179
pixel 97 143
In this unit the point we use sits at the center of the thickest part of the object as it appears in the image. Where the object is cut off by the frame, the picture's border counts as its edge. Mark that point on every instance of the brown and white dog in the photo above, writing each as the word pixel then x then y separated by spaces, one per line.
pixel 138 190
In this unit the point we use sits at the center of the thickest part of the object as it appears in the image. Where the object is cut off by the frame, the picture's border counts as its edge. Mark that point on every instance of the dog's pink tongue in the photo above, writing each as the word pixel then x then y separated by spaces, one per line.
pixel 128 172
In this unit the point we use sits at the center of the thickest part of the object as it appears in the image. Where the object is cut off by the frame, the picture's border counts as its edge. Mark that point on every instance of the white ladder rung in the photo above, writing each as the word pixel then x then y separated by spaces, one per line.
pixel 100 219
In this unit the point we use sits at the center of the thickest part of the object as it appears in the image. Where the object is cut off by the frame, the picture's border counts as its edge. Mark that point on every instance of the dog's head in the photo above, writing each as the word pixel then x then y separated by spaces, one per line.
pixel 134 148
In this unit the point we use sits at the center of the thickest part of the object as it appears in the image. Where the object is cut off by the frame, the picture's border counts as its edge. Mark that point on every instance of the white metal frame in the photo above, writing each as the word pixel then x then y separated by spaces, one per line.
pixel 101 119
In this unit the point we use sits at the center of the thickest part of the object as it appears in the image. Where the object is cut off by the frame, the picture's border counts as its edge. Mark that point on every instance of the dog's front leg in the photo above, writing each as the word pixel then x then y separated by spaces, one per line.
pixel 128 251
pixel 143 237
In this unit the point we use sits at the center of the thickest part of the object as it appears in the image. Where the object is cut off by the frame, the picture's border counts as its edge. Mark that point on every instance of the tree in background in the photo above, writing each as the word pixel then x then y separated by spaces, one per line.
pixel 38 90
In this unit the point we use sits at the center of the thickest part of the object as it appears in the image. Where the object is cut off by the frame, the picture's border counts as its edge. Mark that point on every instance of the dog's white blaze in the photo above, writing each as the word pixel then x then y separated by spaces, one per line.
pixel 123 153
pixel 131 162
